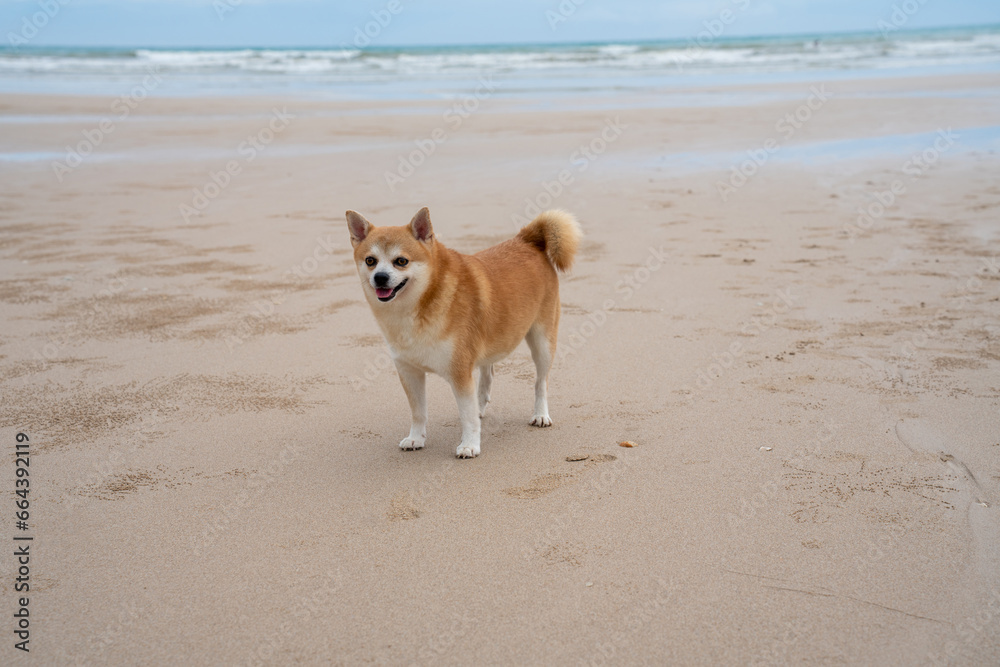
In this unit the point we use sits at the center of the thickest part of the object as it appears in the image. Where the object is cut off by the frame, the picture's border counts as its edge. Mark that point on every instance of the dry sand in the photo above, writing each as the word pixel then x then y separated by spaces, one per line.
pixel 215 476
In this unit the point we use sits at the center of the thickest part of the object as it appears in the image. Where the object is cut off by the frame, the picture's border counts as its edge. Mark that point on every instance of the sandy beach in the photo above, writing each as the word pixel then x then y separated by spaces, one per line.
pixel 788 298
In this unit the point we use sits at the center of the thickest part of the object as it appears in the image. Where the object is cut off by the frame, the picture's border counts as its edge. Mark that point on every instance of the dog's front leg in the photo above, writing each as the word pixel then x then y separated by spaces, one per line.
pixel 485 384
pixel 414 383
pixel 468 413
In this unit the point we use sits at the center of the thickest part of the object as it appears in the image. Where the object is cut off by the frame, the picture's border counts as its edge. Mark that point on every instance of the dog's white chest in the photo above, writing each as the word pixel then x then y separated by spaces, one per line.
pixel 431 357
pixel 427 352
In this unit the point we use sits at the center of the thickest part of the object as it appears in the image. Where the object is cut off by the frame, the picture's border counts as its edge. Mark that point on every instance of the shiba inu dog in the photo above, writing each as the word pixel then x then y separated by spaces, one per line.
pixel 448 313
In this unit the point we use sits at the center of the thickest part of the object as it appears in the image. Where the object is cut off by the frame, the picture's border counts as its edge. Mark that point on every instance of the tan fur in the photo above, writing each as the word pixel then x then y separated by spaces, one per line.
pixel 479 307
pixel 557 234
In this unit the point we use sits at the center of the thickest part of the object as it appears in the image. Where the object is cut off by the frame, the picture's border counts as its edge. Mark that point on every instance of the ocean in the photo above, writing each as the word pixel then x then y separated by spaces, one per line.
pixel 442 72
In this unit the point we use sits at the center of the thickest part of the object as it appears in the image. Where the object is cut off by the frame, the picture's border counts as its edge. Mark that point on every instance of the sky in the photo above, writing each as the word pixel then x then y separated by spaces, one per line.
pixel 324 23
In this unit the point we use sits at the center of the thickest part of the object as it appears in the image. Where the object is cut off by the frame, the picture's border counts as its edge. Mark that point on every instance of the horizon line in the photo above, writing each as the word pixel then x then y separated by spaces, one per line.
pixel 624 42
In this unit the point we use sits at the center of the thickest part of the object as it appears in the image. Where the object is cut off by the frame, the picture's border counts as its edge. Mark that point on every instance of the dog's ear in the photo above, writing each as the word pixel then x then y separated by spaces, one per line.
pixel 358 226
pixel 420 226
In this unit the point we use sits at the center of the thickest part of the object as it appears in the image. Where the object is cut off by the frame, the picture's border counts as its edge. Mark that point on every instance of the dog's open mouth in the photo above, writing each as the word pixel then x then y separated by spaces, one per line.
pixel 385 294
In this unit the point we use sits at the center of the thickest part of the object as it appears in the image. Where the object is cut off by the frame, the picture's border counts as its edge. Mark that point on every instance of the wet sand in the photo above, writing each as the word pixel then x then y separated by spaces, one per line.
pixel 813 391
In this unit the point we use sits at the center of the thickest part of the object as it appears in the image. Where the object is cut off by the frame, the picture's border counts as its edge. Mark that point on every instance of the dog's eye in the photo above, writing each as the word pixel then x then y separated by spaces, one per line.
pixel 401 262
pixel 371 261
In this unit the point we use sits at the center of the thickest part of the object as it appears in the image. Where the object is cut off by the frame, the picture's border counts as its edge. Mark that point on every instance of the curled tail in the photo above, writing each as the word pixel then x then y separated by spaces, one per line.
pixel 557 234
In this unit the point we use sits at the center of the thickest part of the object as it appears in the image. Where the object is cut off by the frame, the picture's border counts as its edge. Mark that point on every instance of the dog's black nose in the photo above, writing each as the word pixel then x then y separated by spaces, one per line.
pixel 381 279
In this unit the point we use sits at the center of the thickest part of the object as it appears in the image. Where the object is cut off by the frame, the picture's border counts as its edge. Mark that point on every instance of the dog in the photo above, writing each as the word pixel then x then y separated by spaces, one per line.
pixel 444 312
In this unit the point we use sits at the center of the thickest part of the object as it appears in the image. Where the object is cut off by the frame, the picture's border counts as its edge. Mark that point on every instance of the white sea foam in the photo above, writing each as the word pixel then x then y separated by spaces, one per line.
pixel 406 66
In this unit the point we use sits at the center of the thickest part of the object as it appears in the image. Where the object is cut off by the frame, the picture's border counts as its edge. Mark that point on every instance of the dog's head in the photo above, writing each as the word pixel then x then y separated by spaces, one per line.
pixel 393 262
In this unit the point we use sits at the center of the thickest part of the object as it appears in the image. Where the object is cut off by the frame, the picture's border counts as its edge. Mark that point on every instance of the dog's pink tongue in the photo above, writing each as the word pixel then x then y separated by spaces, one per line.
pixel 383 292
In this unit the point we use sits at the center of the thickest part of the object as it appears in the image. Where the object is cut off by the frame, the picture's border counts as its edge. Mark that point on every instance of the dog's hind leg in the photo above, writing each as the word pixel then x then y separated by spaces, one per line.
pixel 414 383
pixel 485 384
pixel 542 352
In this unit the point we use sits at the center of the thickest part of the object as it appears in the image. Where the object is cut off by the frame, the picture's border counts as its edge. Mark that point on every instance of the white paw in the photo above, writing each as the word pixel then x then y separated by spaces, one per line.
pixel 408 444
pixel 467 451
pixel 482 407
pixel 541 421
